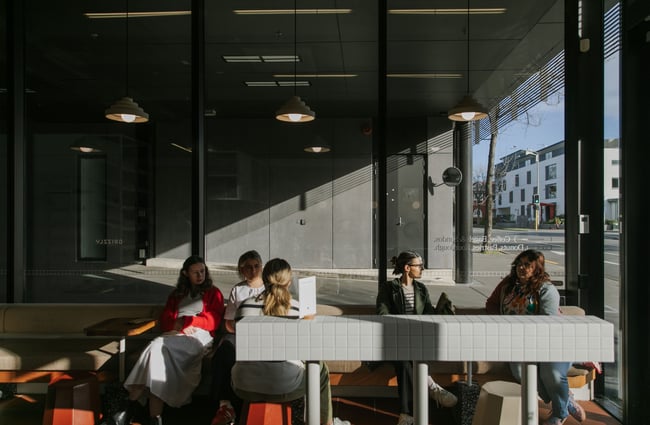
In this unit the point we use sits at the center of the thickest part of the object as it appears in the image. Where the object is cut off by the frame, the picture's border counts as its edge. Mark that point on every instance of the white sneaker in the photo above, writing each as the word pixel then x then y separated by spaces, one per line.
pixel 441 396
pixel 405 419
pixel 337 421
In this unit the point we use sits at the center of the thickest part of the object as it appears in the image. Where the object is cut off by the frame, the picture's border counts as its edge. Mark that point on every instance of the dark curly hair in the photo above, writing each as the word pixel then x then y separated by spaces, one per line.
pixel 183 285
pixel 537 259
pixel 402 260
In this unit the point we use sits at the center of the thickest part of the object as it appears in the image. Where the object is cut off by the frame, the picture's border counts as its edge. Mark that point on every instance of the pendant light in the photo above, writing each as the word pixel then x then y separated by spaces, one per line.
pixel 318 145
pixel 295 110
pixel 125 109
pixel 86 144
pixel 468 109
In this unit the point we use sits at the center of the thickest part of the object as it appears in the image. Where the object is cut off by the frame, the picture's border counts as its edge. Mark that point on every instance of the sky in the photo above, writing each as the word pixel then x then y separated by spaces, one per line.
pixel 546 125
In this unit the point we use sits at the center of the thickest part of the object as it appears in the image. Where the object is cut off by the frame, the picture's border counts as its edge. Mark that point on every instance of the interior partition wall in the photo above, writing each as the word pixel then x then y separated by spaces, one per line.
pixel 264 192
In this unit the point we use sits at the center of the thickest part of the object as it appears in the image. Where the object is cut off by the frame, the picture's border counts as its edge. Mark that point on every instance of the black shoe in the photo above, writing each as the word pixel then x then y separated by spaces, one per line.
pixel 124 417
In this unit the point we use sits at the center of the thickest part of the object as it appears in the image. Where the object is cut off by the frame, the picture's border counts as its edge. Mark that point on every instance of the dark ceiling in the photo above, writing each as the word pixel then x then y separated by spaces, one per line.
pixel 77 62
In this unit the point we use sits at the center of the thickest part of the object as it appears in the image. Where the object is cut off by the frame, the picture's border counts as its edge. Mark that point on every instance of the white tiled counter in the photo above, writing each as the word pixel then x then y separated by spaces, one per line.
pixel 421 338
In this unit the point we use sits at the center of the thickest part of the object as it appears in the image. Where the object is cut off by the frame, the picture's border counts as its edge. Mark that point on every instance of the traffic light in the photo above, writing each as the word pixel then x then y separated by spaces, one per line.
pixel 536 198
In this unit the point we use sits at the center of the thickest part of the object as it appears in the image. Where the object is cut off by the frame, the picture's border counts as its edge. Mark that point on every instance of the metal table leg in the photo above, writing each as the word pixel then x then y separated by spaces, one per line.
pixel 122 358
pixel 529 413
pixel 313 393
pixel 421 393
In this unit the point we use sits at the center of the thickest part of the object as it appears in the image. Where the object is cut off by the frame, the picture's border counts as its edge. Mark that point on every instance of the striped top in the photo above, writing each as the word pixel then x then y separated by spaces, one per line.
pixel 409 299
pixel 253 307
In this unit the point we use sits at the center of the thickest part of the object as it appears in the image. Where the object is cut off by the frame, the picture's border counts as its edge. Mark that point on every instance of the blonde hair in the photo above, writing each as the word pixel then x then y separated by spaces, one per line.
pixel 277 278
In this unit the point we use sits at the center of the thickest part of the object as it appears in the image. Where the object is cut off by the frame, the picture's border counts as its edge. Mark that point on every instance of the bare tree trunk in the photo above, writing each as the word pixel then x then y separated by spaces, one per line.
pixel 489 196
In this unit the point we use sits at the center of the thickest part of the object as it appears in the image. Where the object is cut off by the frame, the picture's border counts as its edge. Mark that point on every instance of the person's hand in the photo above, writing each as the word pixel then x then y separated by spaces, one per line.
pixel 178 323
pixel 189 330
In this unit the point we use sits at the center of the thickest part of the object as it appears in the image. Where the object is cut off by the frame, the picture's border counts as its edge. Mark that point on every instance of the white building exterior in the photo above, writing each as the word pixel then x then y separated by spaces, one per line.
pixel 516 181
pixel 612 180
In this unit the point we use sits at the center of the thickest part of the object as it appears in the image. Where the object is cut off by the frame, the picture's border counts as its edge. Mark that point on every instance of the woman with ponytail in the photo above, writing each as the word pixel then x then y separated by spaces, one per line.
pixel 279 381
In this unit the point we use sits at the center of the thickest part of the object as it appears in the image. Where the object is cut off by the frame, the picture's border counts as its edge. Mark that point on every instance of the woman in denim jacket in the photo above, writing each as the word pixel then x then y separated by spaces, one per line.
pixel 528 290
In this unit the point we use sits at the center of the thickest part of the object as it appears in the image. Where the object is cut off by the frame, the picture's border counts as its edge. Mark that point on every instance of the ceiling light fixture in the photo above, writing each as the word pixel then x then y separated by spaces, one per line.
pixel 317 149
pixel 316 75
pixel 181 147
pixel 318 145
pixel 125 109
pixel 86 145
pixel 468 109
pixel 118 15
pixel 293 11
pixel 295 109
pixel 480 11
pixel 425 75
pixel 259 59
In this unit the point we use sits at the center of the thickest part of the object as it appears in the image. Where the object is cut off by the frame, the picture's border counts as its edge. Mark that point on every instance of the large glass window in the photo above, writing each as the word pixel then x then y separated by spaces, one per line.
pixel 4 192
pixel 94 194
pixel 611 199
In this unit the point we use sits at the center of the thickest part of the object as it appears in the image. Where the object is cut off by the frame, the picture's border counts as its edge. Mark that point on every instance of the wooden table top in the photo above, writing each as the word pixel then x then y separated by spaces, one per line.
pixel 121 326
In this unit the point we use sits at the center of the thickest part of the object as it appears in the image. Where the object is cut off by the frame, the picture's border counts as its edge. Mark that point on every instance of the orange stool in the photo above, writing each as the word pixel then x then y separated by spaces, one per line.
pixel 266 413
pixel 72 400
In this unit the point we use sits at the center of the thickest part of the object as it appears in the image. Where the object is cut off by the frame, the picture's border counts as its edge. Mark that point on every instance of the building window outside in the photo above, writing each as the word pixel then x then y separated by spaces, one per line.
pixel 499 199
pixel 510 197
pixel 551 191
pixel 551 172
pixel 523 195
pixel 528 177
pixel 614 182
pixel 516 180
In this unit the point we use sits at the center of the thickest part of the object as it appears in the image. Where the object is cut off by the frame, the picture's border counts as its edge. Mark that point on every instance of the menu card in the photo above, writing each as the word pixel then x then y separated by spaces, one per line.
pixel 307 296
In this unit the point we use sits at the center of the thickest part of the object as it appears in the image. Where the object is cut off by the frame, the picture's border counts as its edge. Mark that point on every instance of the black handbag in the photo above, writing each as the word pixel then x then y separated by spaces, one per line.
pixel 444 305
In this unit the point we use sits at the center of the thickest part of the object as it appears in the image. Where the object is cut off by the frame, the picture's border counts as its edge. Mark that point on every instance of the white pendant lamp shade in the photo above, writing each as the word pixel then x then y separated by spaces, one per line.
pixel 85 146
pixel 295 110
pixel 317 149
pixel 126 110
pixel 467 110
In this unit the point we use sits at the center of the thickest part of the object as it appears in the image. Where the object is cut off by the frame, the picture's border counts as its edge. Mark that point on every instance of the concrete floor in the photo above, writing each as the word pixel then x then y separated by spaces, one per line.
pixel 28 410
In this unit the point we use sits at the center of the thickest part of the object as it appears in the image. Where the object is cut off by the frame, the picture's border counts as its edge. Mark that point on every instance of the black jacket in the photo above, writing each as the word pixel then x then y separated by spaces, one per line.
pixel 390 298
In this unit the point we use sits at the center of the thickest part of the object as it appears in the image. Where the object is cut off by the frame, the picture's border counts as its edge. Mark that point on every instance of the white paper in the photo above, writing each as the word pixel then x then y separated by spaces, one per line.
pixel 307 295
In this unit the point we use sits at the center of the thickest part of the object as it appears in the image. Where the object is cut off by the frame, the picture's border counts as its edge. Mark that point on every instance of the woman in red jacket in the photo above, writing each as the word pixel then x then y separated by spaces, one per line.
pixel 169 368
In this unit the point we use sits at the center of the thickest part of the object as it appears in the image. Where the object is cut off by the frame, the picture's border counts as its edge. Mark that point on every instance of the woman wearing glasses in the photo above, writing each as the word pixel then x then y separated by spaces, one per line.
pixel 528 290
pixel 406 295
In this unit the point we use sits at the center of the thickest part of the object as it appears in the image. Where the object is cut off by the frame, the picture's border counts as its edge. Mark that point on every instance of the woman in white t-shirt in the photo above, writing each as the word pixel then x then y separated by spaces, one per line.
pixel 249 267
